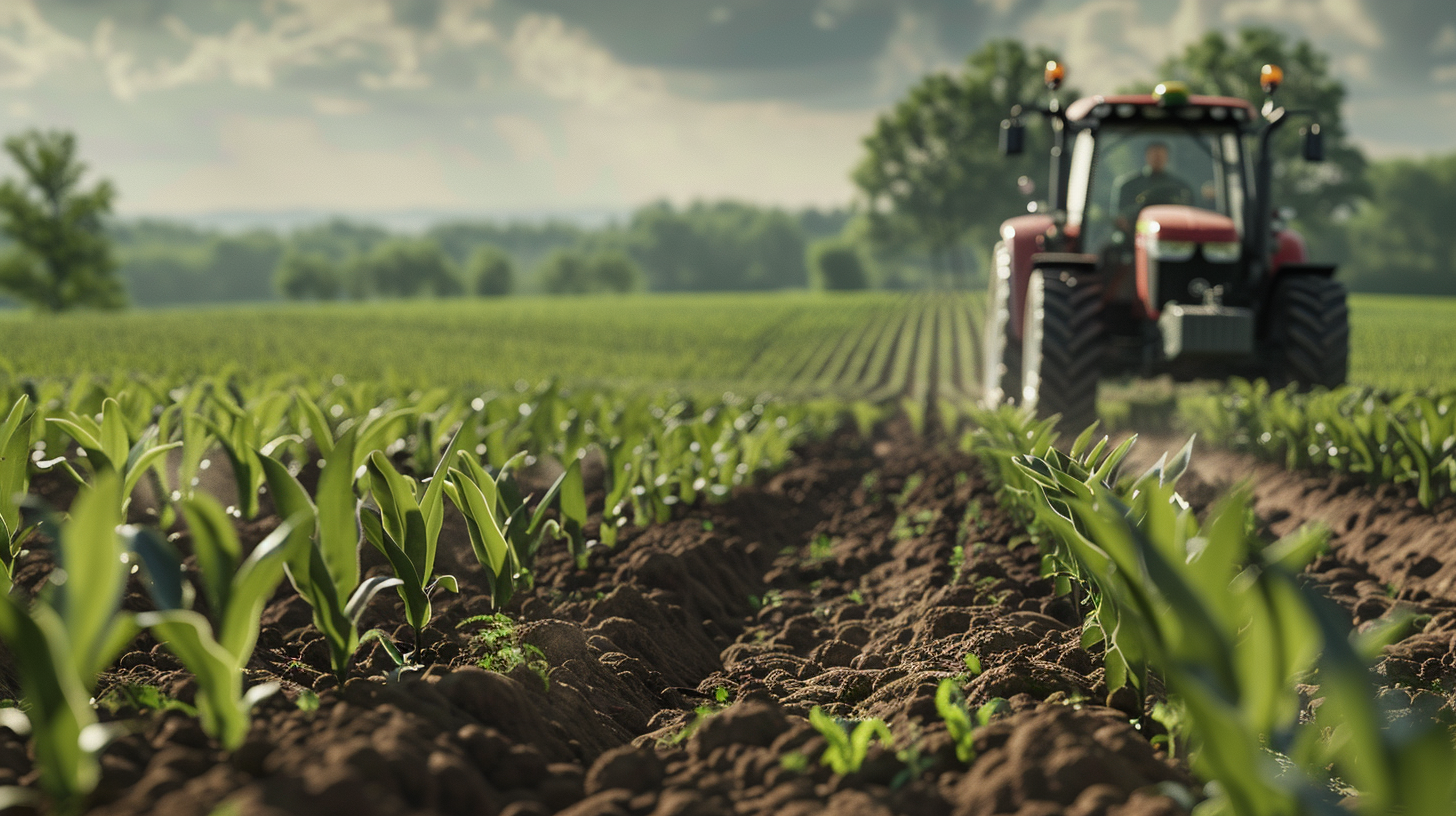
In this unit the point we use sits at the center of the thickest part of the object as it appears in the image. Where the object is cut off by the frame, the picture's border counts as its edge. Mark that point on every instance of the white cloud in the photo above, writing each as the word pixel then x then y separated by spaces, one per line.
pixel 1445 41
pixel 624 137
pixel 1443 74
pixel 1110 43
pixel 912 51
pixel 340 106
pixel 1316 19
pixel 569 66
pixel 829 12
pixel 30 47
pixel 289 163
pixel 298 33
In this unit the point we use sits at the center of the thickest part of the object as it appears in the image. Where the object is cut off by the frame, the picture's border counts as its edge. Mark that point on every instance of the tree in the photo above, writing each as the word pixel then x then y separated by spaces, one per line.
pixel 719 246
pixel 405 267
pixel 565 272
pixel 490 272
pixel 1402 240
pixel 836 265
pixel 573 272
pixel 613 271
pixel 932 175
pixel 1320 193
pixel 306 276
pixel 62 258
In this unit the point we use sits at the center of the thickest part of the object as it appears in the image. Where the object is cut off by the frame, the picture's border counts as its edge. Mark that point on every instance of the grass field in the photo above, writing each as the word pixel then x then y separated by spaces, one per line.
pixel 867 345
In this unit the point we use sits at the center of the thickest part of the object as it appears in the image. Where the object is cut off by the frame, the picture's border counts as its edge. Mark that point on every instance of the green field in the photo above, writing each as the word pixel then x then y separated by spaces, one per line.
pixel 871 344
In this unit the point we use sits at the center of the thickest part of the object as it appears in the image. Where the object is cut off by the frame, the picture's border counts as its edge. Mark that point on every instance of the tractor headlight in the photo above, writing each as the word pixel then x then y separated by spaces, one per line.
pixel 1174 251
pixel 1222 251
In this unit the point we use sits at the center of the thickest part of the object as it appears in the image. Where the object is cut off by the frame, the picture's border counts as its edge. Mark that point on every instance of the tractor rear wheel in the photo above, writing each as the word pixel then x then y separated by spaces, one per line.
pixel 1000 352
pixel 1309 333
pixel 1061 356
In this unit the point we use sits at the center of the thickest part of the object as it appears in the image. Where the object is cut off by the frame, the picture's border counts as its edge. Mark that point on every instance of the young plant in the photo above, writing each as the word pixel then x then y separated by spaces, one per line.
pixel 62 644
pixel 406 529
pixel 14 481
pixel 504 533
pixel 326 570
pixel 108 445
pixel 962 723
pixel 216 651
pixel 847 749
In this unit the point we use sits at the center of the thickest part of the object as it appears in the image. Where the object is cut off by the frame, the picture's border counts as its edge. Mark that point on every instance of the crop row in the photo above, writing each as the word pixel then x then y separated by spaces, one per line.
pixel 1222 619
pixel 921 352
pixel 1407 438
pixel 381 470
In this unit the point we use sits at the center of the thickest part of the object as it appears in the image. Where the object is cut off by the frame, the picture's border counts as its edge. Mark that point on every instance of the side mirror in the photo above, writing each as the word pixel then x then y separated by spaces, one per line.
pixel 1314 143
pixel 1013 137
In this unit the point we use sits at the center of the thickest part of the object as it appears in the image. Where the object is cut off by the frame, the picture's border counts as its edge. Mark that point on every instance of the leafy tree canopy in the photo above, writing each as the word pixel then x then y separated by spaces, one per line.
pixel 932 174
pixel 1319 193
pixel 62 258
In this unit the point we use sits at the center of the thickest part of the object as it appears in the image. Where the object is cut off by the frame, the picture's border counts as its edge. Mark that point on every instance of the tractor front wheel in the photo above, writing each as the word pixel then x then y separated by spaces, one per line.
pixel 1309 333
pixel 1061 349
pixel 1000 352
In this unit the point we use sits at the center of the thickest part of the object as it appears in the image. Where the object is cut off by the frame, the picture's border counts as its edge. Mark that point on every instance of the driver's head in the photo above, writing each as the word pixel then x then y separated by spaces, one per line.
pixel 1157 157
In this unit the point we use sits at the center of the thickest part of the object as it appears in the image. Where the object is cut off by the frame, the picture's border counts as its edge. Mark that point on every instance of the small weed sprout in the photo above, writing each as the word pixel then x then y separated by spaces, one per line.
pixel 499 649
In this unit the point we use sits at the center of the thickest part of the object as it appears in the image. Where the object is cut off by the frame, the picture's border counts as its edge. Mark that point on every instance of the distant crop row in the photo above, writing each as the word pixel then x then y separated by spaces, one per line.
pixel 1223 621
pixel 1407 438
pixel 383 470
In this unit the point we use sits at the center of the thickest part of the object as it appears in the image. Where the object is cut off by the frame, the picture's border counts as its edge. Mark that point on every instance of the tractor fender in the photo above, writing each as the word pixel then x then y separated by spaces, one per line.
pixel 1289 248
pixel 1023 237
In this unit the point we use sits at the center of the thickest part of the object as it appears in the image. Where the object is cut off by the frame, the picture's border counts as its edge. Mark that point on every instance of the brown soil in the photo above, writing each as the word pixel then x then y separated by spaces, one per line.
pixel 830 585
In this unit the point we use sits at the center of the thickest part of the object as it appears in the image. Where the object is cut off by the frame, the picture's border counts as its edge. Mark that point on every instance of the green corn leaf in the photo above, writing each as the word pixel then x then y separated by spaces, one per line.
pixel 316 422
pixel 59 709
pixel 354 609
pixel 162 567
pixel 490 546
pixel 387 642
pixel 217 548
pixel 95 578
pixel 14 468
pixel 338 525
pixel 113 436
pixel 412 586
pixel 256 580
pixel 220 703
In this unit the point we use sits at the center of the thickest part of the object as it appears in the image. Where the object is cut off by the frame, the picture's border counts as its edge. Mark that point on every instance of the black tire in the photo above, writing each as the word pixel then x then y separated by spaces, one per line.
pixel 1062 346
pixel 1309 333
pixel 1000 352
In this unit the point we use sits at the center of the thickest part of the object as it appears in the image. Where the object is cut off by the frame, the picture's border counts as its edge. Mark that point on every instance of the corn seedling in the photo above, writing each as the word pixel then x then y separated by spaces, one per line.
pixel 1223 620
pixel 108 445
pixel 962 723
pixel 14 481
pixel 216 651
pixel 67 638
pixel 326 571
pixel 406 529
pixel 848 747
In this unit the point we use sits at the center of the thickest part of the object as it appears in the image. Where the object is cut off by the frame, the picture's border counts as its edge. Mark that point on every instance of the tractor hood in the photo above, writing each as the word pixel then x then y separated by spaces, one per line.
pixel 1175 222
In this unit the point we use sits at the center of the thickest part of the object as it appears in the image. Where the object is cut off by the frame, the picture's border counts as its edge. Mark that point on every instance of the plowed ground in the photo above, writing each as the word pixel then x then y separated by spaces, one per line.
pixel 679 667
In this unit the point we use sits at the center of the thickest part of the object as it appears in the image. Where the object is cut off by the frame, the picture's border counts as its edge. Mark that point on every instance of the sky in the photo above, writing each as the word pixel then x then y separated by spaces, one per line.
pixel 580 108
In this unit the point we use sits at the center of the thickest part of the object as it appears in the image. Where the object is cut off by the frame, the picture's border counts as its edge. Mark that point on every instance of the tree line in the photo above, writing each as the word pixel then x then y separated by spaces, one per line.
pixel 932 191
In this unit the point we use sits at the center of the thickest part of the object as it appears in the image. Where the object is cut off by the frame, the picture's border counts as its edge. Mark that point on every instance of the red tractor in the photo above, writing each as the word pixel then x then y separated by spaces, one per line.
pixel 1160 254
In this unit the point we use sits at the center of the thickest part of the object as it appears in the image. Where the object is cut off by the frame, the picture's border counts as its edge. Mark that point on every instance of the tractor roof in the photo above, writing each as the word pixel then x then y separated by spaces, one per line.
pixel 1124 106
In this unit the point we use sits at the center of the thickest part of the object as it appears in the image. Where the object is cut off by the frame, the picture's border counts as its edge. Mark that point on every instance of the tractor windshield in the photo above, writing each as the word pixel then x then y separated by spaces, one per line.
pixel 1119 169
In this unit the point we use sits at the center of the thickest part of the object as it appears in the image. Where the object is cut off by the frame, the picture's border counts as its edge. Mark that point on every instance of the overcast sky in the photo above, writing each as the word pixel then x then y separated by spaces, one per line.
pixel 496 107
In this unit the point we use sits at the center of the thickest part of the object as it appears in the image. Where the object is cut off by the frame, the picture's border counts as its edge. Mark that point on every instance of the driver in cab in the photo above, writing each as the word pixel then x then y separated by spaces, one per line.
pixel 1151 185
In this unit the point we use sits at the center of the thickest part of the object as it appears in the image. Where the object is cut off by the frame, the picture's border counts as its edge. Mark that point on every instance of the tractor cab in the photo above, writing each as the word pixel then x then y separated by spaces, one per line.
pixel 1159 255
